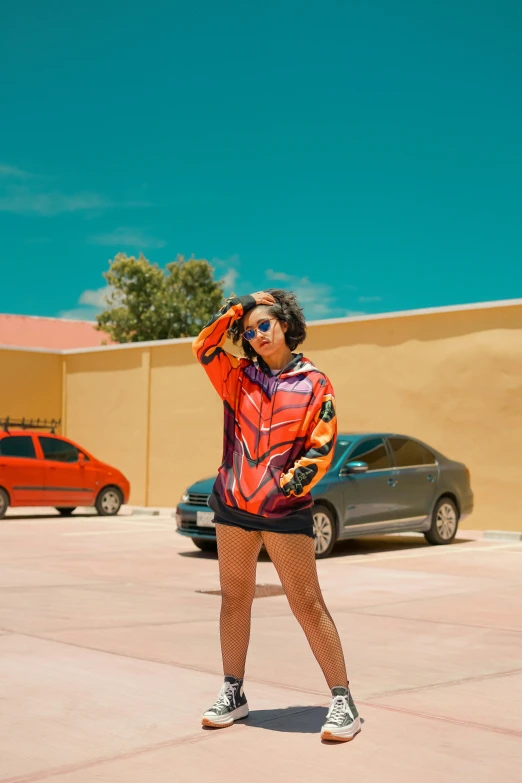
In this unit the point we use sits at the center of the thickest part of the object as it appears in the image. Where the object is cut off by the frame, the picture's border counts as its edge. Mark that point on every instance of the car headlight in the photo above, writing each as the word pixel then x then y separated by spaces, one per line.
pixel 185 497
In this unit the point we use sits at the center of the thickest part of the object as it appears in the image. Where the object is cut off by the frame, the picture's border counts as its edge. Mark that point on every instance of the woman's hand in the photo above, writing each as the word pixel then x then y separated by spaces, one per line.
pixel 263 298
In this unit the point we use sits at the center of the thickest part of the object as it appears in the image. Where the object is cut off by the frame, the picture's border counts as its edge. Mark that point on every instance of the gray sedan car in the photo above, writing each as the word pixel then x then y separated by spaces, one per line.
pixel 377 483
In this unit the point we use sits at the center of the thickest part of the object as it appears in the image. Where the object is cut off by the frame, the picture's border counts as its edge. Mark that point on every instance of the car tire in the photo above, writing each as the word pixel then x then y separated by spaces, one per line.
pixel 444 522
pixel 4 503
pixel 205 544
pixel 65 512
pixel 109 501
pixel 325 529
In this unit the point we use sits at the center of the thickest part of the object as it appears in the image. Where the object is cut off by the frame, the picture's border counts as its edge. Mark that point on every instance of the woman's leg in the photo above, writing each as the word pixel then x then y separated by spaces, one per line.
pixel 238 551
pixel 293 556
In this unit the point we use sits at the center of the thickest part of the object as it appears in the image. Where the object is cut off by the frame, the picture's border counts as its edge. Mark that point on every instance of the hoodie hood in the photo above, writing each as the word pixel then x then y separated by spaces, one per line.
pixel 298 364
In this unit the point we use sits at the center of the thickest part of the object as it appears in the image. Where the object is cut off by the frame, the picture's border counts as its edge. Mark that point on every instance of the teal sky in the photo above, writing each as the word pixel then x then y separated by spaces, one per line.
pixel 366 154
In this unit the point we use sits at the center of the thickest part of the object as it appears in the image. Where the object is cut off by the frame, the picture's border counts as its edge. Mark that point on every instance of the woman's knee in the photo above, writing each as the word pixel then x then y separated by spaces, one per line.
pixel 307 606
pixel 238 595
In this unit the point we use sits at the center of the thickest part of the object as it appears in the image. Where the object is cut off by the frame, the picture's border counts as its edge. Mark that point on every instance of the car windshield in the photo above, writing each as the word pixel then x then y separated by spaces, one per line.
pixel 340 449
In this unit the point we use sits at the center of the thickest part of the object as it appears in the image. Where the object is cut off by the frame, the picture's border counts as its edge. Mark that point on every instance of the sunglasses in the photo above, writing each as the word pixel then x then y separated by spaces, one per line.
pixel 263 328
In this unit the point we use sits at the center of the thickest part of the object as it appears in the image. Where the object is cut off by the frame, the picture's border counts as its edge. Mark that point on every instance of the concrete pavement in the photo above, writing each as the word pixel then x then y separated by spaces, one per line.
pixel 109 653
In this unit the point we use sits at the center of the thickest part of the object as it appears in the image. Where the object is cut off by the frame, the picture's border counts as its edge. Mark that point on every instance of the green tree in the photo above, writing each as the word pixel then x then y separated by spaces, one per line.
pixel 147 303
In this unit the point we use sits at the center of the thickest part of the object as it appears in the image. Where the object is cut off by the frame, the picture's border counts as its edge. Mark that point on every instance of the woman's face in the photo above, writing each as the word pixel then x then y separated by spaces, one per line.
pixel 270 338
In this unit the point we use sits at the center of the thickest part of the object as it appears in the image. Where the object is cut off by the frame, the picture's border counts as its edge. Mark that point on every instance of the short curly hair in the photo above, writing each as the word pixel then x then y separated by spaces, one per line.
pixel 286 308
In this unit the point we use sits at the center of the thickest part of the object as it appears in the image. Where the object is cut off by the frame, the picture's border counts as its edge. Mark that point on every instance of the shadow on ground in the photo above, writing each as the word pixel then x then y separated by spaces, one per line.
pixel 299 719
pixel 364 545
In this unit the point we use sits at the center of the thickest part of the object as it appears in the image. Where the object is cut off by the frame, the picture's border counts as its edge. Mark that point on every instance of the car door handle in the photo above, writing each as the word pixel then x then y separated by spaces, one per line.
pixel 431 478
pixel 392 482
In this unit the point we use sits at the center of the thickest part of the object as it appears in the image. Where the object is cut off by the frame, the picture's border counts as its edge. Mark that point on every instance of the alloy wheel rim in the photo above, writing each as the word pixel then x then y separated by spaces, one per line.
pixel 110 502
pixel 323 533
pixel 446 521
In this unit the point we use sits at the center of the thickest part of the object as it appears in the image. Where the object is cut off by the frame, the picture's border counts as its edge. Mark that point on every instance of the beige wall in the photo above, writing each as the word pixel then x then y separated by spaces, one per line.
pixel 106 410
pixel 185 424
pixel 453 379
pixel 30 384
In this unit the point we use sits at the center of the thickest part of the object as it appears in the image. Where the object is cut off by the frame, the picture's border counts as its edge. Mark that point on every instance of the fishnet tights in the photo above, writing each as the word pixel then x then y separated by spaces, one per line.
pixel 293 557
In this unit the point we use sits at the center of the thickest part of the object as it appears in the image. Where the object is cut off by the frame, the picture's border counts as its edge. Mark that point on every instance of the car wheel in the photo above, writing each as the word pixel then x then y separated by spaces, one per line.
pixel 205 544
pixel 109 501
pixel 4 503
pixel 325 531
pixel 444 522
pixel 65 512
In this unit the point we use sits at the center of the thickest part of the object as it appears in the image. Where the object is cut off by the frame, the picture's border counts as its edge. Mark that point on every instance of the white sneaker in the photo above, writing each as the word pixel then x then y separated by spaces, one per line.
pixel 343 721
pixel 230 705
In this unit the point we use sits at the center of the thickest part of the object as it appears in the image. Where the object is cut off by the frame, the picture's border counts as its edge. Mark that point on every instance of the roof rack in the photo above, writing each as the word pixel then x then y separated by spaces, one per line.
pixel 29 424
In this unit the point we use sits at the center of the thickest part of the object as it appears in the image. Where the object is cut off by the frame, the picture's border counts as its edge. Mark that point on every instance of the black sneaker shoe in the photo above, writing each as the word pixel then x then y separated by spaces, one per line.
pixel 342 721
pixel 231 705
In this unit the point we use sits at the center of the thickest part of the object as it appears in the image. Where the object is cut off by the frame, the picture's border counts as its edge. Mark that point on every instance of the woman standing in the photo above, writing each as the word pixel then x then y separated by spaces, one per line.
pixel 279 438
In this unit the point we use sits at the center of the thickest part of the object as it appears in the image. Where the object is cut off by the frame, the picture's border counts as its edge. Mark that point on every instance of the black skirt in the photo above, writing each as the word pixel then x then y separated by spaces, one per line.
pixel 298 522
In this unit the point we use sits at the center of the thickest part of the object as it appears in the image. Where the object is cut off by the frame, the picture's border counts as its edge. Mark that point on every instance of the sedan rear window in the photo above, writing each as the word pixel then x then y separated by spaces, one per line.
pixel 17 446
pixel 408 453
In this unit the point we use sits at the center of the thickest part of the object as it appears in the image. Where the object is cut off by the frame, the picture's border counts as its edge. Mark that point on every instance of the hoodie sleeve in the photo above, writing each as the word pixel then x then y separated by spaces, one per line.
pixel 220 366
pixel 313 465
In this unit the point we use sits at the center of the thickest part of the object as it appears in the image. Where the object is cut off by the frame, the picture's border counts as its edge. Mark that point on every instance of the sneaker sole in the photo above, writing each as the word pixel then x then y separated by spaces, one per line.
pixel 327 735
pixel 339 736
pixel 227 720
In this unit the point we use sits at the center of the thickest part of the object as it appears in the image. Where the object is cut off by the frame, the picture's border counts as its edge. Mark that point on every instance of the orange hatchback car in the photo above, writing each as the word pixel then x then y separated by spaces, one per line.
pixel 49 470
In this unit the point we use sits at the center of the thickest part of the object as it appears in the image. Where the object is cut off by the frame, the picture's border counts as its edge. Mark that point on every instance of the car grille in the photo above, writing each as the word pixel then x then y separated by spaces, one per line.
pixel 198 498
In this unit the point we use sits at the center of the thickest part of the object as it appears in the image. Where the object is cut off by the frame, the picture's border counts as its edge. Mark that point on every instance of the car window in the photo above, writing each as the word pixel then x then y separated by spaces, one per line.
pixel 427 457
pixel 340 448
pixel 408 453
pixel 58 450
pixel 17 446
pixel 373 452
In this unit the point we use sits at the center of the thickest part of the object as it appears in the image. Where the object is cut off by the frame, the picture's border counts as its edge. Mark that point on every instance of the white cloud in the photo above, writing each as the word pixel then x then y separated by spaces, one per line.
pixel 227 270
pixel 367 299
pixel 22 200
pixel 13 172
pixel 282 276
pixel 77 314
pixel 33 199
pixel 229 281
pixel 90 303
pixel 127 237
pixel 96 298
pixel 353 313
pixel 316 299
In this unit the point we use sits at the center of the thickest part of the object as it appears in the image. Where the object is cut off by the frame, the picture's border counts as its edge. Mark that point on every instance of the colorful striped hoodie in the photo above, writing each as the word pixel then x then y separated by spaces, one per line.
pixel 279 432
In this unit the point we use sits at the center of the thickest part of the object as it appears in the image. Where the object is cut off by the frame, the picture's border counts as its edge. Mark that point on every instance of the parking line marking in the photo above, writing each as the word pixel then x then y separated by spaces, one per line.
pixel 431 552
pixel 114 532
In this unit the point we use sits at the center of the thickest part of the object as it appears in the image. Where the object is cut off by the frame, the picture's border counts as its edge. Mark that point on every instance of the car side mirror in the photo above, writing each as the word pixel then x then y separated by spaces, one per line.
pixel 353 467
pixel 81 459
